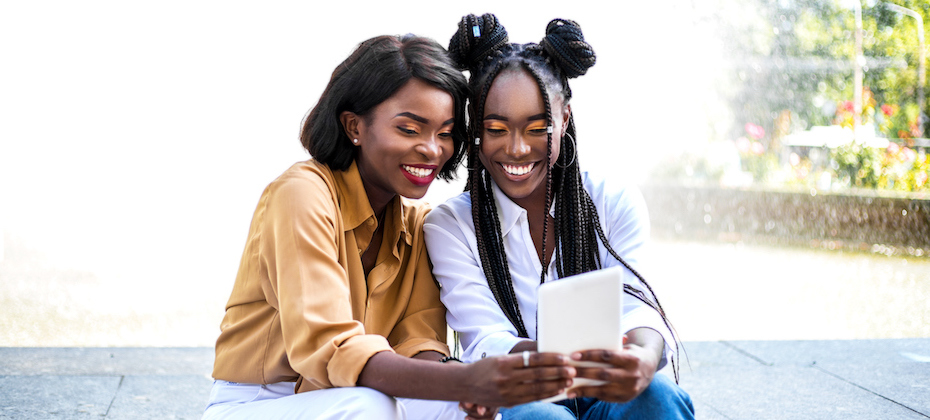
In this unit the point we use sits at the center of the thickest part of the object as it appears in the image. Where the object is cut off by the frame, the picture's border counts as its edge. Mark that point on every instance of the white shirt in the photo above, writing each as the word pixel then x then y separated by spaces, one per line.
pixel 471 308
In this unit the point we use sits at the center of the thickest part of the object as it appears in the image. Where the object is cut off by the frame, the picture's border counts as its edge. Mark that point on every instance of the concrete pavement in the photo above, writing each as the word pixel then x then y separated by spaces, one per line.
pixel 835 379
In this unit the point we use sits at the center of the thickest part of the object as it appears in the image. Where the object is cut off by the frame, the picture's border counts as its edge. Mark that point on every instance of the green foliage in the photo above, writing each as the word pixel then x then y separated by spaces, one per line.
pixel 798 55
pixel 858 165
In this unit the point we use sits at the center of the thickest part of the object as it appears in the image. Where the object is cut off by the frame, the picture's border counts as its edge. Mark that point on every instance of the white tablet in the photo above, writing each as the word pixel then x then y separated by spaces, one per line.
pixel 581 312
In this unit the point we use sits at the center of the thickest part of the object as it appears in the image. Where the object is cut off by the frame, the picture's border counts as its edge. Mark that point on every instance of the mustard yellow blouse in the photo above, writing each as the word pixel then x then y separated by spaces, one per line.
pixel 301 308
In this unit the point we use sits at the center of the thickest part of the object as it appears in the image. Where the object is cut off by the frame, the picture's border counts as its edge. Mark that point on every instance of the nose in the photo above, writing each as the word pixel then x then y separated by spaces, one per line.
pixel 432 148
pixel 518 146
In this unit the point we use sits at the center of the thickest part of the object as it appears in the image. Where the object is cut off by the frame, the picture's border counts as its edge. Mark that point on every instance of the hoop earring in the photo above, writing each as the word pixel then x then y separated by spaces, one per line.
pixel 574 151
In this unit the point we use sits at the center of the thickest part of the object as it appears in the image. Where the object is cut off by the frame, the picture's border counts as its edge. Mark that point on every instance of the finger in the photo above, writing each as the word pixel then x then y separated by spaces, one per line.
pixel 543 374
pixel 539 359
pixel 488 413
pixel 618 359
pixel 622 377
pixel 534 390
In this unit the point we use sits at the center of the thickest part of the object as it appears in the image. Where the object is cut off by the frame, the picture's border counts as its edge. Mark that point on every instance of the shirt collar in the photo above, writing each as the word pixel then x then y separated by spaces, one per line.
pixel 509 212
pixel 355 207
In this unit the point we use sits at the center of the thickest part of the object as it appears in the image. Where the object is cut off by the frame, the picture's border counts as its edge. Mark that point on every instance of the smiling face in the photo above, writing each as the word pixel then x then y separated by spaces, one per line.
pixel 403 142
pixel 514 136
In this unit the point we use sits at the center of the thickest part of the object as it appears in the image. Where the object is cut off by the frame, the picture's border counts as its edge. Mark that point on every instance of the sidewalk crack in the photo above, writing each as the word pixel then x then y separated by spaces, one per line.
pixel 714 409
pixel 746 353
pixel 814 365
pixel 115 394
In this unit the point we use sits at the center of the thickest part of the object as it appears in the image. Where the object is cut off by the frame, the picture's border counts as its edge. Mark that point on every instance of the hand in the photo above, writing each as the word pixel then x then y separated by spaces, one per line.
pixel 504 381
pixel 477 412
pixel 630 373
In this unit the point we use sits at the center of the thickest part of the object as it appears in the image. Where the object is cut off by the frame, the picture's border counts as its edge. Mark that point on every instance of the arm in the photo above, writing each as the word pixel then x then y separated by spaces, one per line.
pixel 491 382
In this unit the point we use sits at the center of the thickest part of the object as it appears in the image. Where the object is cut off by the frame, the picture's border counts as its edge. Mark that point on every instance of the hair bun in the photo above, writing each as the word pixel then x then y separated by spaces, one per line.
pixel 565 44
pixel 477 38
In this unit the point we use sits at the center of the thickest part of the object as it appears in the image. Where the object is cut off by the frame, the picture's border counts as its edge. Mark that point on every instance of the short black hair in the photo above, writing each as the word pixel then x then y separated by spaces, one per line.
pixel 377 69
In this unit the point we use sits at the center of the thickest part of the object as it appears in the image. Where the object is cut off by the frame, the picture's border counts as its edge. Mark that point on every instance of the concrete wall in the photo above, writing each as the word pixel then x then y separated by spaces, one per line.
pixel 864 221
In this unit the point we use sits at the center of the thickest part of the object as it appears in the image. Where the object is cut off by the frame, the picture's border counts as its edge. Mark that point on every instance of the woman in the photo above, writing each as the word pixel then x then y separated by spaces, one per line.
pixel 334 311
pixel 528 206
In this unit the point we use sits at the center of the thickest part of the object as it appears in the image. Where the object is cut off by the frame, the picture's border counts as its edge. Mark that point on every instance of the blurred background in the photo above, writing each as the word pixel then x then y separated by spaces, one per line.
pixel 136 138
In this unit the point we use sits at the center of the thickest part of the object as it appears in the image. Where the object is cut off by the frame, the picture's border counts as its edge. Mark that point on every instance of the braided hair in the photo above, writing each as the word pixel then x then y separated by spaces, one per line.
pixel 481 46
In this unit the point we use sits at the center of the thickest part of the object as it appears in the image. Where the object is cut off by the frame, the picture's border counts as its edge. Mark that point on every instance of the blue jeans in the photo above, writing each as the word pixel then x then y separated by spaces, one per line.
pixel 662 400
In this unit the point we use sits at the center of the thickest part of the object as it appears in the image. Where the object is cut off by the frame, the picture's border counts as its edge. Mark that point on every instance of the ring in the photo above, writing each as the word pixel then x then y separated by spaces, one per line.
pixel 526 359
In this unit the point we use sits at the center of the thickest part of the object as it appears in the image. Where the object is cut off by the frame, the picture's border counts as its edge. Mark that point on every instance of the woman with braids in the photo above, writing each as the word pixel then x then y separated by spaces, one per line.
pixel 527 206
pixel 334 312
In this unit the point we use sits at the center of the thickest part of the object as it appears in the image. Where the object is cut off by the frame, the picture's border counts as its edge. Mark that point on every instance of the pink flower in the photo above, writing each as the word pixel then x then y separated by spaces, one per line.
pixel 755 131
pixel 888 110
pixel 794 159
pixel 909 154
pixel 757 148
pixel 847 106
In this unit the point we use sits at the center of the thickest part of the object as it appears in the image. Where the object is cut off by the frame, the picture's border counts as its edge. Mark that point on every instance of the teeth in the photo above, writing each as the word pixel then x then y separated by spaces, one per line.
pixel 518 170
pixel 418 172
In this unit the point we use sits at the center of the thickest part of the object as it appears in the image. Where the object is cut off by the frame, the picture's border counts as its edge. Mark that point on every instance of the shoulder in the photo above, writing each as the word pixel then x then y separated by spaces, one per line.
pixel 613 194
pixel 304 186
pixel 457 208
pixel 450 220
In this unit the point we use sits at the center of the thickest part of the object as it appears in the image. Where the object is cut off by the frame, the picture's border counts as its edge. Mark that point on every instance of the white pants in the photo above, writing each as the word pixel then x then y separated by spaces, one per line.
pixel 230 400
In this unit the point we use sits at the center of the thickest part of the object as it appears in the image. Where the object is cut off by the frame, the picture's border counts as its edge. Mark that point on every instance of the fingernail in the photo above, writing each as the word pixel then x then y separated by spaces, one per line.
pixel 576 356
pixel 570 395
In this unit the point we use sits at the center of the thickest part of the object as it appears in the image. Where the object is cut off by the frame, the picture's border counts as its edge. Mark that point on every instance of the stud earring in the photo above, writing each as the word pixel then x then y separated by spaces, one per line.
pixel 355 142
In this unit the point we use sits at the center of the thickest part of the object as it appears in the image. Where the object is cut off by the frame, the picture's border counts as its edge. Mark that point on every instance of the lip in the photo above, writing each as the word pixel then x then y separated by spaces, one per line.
pixel 420 181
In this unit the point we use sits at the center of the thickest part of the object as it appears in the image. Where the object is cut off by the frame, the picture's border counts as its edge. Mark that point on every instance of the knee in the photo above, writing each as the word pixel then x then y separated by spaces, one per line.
pixel 355 403
pixel 536 411
pixel 664 392
pixel 368 403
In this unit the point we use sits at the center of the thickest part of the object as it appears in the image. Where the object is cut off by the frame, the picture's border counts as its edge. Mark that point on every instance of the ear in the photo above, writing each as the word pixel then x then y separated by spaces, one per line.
pixel 566 116
pixel 350 124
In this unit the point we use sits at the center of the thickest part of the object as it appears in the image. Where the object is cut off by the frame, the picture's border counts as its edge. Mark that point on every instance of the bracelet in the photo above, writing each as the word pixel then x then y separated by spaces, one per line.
pixel 449 359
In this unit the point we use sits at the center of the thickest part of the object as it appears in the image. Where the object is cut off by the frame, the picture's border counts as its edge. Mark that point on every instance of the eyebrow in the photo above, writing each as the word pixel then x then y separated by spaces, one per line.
pixel 536 117
pixel 413 116
pixel 422 120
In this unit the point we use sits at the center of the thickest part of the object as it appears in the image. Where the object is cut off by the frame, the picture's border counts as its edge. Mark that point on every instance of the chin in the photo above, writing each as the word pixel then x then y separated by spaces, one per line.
pixel 414 194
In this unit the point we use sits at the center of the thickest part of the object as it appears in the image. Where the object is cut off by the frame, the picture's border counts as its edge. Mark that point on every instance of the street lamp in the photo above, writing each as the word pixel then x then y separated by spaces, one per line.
pixel 921 57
